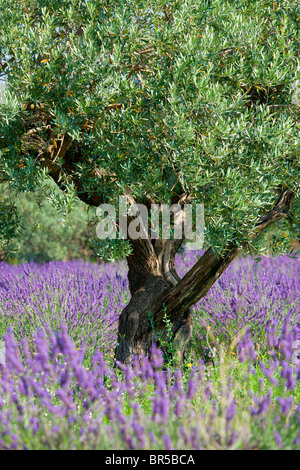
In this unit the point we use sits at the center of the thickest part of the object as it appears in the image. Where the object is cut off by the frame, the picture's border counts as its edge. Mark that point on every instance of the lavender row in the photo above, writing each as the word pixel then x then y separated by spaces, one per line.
pixel 50 399
pixel 59 389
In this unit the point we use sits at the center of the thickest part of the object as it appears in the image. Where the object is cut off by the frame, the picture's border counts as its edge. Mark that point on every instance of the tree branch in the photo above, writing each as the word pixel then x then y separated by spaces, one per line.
pixel 196 283
pixel 199 279
pixel 280 210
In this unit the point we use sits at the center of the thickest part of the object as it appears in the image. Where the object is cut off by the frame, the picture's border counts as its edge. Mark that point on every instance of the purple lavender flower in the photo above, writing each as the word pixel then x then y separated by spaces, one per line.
pixel 231 411
pixel 278 439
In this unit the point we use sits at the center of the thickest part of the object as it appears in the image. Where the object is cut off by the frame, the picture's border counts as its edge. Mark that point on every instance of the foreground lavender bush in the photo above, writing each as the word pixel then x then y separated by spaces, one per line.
pixel 49 399
pixel 59 389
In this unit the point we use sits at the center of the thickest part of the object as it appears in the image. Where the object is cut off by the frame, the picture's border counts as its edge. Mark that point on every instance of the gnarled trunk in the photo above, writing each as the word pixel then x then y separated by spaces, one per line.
pixel 156 289
pixel 152 276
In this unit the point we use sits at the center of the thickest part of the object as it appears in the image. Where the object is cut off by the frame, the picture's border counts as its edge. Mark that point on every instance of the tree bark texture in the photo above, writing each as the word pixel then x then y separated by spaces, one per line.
pixel 152 275
pixel 157 290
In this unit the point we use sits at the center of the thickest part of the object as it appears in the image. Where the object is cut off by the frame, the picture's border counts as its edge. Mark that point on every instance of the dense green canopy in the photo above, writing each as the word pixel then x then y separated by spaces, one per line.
pixel 157 100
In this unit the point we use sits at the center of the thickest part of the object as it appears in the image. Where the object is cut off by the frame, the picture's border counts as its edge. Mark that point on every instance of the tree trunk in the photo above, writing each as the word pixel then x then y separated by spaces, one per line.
pixel 151 276
pixel 157 293
pixel 156 289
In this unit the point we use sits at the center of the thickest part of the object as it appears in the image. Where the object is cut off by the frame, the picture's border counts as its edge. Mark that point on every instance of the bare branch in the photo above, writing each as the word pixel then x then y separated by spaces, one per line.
pixel 199 279
pixel 280 210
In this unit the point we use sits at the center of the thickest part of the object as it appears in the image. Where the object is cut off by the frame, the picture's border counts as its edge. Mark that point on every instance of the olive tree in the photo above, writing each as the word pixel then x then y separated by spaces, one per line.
pixel 182 102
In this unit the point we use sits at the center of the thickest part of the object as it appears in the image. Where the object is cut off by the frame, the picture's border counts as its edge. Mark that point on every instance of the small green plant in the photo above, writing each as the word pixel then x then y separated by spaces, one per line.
pixel 164 338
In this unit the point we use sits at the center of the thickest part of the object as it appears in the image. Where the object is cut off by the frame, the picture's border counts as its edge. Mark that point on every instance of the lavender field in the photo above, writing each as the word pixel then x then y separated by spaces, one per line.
pixel 238 388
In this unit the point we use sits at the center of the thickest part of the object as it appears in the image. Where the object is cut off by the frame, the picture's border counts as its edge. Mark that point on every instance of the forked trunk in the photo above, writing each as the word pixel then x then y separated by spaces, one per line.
pixel 151 277
pixel 157 291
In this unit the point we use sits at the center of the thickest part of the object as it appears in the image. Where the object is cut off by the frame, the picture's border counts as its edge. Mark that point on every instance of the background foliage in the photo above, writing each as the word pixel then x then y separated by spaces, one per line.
pixel 46 234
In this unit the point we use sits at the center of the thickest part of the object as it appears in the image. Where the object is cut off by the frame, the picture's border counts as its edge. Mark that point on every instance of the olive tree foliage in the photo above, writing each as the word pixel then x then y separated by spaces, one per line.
pixel 165 102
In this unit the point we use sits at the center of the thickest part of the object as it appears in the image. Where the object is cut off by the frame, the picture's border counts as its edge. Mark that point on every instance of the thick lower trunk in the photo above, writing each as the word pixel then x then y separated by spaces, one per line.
pixel 157 292
pixel 137 328
pixel 151 277
pixel 136 332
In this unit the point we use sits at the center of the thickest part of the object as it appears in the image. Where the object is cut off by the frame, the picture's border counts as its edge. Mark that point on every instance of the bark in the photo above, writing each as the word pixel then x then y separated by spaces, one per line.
pixel 156 289
pixel 153 297
pixel 151 274
pixel 197 282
